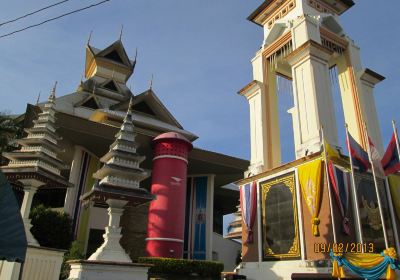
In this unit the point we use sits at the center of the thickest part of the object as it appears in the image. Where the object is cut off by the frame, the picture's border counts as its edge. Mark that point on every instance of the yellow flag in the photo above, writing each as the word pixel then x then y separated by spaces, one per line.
pixel 331 153
pixel 394 182
pixel 310 183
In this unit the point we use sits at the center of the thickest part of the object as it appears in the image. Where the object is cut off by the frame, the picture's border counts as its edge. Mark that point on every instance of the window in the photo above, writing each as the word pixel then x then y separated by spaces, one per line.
pixel 113 55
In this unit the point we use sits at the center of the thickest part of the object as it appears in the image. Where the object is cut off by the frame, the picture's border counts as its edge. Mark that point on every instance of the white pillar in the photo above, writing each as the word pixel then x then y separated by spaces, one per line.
pixel 111 250
pixel 369 79
pixel 72 193
pixel 29 192
pixel 312 98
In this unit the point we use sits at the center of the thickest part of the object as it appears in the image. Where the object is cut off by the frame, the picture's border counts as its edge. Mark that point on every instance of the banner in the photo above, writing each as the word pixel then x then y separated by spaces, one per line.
pixel 394 182
pixel 248 205
pixel 390 160
pixel 310 182
pixel 340 183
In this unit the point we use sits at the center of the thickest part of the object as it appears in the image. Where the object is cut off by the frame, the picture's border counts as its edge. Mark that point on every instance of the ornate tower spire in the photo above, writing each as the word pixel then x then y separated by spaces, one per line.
pixel 36 163
pixel 39 147
pixel 119 185
pixel 52 96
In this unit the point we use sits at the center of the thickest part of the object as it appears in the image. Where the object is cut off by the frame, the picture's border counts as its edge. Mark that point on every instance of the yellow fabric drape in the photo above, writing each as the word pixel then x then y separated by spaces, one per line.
pixel 394 182
pixel 365 261
pixel 310 182
pixel 331 153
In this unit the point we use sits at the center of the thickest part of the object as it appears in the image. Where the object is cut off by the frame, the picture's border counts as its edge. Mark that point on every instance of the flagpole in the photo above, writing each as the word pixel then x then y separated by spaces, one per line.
pixel 376 189
pixel 354 196
pixel 329 186
pixel 396 137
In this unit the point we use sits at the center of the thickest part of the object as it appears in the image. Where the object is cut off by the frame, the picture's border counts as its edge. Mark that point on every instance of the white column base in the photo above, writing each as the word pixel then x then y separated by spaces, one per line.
pixel 29 237
pixel 111 250
pixel 91 270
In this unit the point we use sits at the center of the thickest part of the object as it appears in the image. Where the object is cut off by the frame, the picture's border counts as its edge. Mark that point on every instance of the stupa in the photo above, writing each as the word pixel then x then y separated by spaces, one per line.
pixel 36 163
pixel 118 186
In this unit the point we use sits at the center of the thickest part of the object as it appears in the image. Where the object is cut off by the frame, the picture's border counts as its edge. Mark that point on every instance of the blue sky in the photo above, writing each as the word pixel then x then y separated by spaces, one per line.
pixel 198 51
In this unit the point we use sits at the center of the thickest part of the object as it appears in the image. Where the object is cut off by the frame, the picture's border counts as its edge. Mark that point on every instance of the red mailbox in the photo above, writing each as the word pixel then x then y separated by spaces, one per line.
pixel 166 220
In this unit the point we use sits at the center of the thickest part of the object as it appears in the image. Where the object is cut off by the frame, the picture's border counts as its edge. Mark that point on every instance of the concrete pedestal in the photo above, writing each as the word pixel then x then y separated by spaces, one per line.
pixel 101 270
pixel 40 263
pixel 111 250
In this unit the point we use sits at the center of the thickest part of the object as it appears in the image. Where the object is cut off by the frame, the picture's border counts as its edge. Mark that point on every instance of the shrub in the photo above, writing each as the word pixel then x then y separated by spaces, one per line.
pixel 183 267
pixel 51 228
pixel 74 253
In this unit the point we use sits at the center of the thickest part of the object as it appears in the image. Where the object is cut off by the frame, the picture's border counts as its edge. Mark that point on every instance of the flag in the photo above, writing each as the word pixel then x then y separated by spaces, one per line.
pixel 340 183
pixel 359 156
pixel 310 182
pixel 394 182
pixel 390 161
pixel 375 157
pixel 248 204
pixel 331 153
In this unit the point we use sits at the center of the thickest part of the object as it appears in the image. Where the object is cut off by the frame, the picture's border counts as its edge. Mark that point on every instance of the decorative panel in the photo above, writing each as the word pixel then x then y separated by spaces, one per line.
pixel 280 230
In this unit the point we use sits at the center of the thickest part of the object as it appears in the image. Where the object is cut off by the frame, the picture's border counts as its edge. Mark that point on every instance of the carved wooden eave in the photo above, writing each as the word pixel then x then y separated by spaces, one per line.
pixel 50 180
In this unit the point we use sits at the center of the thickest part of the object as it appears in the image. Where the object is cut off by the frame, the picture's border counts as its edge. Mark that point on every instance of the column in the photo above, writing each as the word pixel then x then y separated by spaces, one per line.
pixel 72 193
pixel 356 87
pixel 29 192
pixel 209 216
pixel 313 100
pixel 264 117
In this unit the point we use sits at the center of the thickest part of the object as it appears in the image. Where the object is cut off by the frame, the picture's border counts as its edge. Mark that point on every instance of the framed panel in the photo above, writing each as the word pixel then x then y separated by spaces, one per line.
pixel 371 223
pixel 280 229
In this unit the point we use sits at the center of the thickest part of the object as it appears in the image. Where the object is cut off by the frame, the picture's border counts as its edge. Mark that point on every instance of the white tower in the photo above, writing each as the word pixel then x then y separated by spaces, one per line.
pixel 303 39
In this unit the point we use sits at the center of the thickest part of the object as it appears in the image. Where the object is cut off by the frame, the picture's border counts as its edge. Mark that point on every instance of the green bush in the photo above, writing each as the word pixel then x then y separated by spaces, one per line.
pixel 74 253
pixel 183 267
pixel 51 228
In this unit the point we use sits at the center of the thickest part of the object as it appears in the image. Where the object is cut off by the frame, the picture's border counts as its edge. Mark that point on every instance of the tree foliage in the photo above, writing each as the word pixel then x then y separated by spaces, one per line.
pixel 10 129
pixel 51 229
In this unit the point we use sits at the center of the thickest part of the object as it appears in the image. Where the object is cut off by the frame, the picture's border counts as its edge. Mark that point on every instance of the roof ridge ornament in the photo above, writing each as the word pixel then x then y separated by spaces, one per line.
pixel 38 98
pixel 90 37
pixel 151 82
pixel 120 33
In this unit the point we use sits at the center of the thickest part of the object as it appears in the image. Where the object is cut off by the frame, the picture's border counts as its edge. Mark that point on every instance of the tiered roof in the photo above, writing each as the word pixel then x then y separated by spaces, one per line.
pixel 235 227
pixel 39 148
pixel 120 176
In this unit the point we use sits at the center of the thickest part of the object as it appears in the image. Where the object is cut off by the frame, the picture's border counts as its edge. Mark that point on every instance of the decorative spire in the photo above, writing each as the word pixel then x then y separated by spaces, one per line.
pixel 53 93
pixel 120 33
pixel 118 185
pixel 128 116
pixel 90 37
pixel 151 82
pixel 39 148
pixel 38 98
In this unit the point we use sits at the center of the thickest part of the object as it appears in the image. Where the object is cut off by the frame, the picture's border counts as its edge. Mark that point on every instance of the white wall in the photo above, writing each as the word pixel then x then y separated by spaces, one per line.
pixel 226 251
